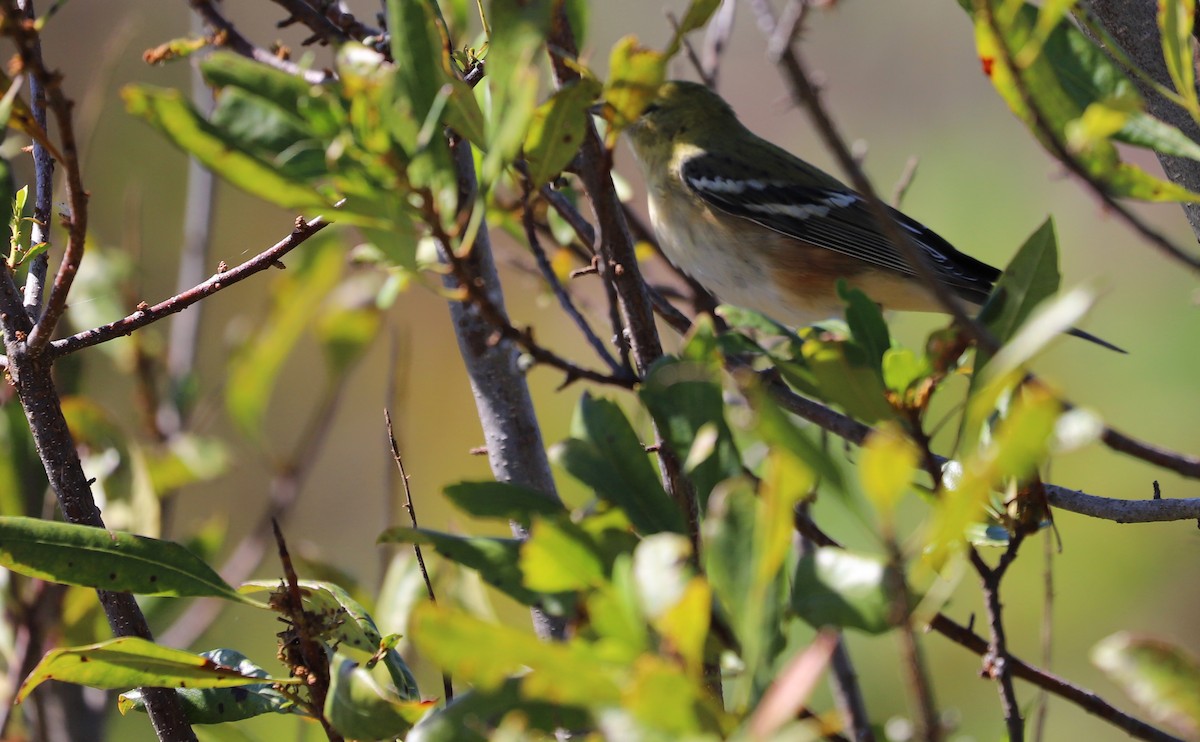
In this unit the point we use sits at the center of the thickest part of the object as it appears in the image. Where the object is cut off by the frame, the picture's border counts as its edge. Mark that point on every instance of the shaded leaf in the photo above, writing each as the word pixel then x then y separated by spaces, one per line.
pixel 605 454
pixel 360 708
pixel 835 587
pixel 635 73
pixel 502 500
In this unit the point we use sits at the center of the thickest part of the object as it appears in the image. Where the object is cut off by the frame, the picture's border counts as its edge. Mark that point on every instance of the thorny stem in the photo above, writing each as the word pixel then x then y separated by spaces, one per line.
pixel 447 683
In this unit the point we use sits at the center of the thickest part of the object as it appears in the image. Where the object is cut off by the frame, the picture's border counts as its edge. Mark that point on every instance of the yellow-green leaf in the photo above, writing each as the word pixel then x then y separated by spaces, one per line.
pixel 130 661
pixel 557 129
pixel 886 466
pixel 635 73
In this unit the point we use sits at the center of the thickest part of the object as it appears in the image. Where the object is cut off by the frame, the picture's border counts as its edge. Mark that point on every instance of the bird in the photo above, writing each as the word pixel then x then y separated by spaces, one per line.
pixel 762 229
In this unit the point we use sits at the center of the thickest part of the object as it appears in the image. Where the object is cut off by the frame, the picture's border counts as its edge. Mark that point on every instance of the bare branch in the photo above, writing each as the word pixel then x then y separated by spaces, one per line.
pixel 220 280
pixel 228 35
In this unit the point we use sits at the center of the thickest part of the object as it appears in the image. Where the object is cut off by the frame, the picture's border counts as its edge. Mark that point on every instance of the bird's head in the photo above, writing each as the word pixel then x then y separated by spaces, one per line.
pixel 680 113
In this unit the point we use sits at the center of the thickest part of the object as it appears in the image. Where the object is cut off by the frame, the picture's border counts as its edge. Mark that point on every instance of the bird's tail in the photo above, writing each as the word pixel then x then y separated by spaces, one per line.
pixel 1075 331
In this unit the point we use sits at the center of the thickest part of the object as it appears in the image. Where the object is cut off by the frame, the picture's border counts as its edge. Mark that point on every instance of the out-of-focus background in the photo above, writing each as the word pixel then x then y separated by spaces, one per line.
pixel 901 79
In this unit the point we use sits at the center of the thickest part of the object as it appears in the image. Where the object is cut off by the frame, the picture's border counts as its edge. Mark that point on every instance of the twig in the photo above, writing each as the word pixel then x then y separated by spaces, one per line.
pixel 913 664
pixel 904 182
pixel 447 683
pixel 221 280
pixel 228 35
pixel 1081 697
pixel 1188 466
pixel 26 38
pixel 316 663
pixel 330 24
pixel 564 299
pixel 618 264
pixel 43 168
pixel 995 662
pixel 705 76
pixel 1047 633
pixel 963 636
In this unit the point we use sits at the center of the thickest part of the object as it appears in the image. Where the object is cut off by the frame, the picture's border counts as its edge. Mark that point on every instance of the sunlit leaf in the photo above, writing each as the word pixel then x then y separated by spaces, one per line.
pixel 130 661
pixel 353 629
pixel 170 112
pixel 559 556
pixel 886 466
pixel 556 130
pixel 635 73
pixel 120 562
pixel 219 705
pixel 496 560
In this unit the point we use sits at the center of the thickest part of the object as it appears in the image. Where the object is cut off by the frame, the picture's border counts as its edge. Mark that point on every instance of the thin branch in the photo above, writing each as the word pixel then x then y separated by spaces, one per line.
pixel 1081 697
pixel 222 279
pixel 995 662
pixel 1188 466
pixel 330 23
pixel 618 264
pixel 228 36
pixel 963 636
pixel 564 299
pixel 311 650
pixel 26 37
pixel 705 76
pixel 43 168
pixel 447 683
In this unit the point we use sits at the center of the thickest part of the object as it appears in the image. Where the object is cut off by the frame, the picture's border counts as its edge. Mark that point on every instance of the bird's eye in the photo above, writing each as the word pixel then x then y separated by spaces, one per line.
pixel 650 109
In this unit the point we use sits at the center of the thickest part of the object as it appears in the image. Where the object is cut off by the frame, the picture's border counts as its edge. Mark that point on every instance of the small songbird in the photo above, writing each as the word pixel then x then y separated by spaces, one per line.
pixel 764 230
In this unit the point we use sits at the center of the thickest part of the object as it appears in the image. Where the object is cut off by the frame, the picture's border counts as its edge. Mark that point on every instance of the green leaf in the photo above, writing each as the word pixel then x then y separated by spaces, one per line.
pixel 1176 23
pixel 170 112
pixel 902 369
pixel 119 562
pixel 835 587
pixel 605 454
pixel 1030 278
pixel 780 432
pixel 1161 678
pixel 360 708
pixel 471 714
pixel 866 323
pixel 698 13
pixel 279 138
pixel 571 673
pixel 130 661
pixel 560 556
pixel 219 705
pixel 1048 322
pixel 502 500
pixel 685 400
pixel 1063 78
pixel 557 128
pixel 496 560
pixel 417 50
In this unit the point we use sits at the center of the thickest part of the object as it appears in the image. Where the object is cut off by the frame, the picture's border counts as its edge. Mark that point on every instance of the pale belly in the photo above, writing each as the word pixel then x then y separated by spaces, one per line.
pixel 741 273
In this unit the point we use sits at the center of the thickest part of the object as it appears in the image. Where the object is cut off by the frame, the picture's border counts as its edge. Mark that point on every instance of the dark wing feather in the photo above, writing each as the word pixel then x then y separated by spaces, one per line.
pixel 837 220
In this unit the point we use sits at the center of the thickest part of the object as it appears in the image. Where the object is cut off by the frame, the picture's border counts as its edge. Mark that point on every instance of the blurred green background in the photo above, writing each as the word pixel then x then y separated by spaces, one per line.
pixel 902 80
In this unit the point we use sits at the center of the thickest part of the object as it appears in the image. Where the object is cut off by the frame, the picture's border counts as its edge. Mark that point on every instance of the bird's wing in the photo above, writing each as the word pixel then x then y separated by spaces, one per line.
pixel 834 219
